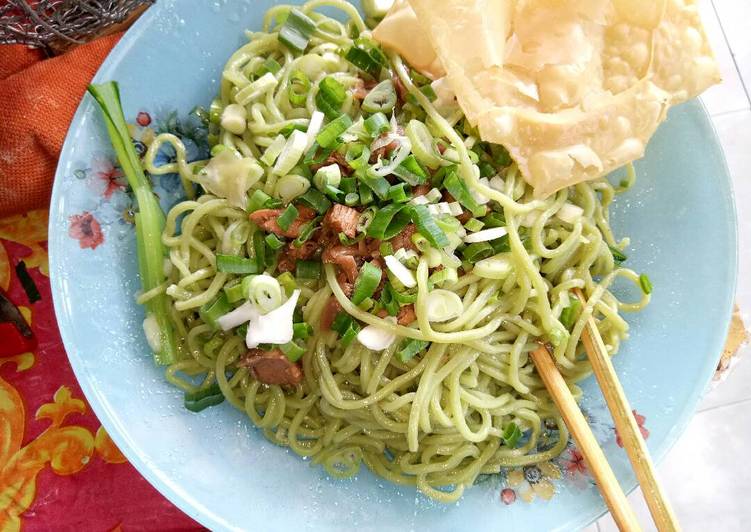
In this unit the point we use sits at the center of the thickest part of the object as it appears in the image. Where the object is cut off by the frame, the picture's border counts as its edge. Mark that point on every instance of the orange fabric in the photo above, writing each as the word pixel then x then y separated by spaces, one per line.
pixel 37 100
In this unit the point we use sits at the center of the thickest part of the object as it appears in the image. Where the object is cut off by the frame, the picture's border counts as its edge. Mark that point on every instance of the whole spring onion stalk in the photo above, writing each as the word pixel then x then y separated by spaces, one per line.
pixel 149 220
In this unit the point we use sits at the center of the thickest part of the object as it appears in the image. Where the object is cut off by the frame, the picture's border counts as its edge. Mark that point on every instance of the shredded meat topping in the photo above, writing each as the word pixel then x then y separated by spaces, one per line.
pixel 272 367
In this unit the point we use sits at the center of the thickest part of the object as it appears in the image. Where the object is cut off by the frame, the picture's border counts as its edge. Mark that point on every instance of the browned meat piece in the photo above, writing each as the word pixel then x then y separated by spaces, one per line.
pixel 344 257
pixel 272 367
pixel 404 239
pixel 291 254
pixel 406 315
pixel 341 219
pixel 334 158
pixel 266 219
pixel 330 311
pixel 421 190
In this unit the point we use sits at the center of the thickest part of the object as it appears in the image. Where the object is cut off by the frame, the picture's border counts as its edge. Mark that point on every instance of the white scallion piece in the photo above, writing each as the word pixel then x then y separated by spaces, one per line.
pixel 496 267
pixel 291 153
pixel 455 208
pixel 478 196
pixel 486 235
pixel 497 183
pixel 314 128
pixel 570 213
pixel 274 327
pixel 234 118
pixel 434 195
pixel 153 333
pixel 443 305
pixel 420 200
pixel 242 314
pixel 377 338
pixel 400 271
pixel 273 151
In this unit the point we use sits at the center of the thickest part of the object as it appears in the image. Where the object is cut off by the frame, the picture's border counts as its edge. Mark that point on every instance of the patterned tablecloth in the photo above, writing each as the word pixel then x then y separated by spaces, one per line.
pixel 59 470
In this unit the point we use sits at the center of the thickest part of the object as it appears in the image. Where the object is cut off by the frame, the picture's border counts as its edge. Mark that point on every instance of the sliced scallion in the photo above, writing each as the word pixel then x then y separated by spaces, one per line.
pixel 459 190
pixel 233 264
pixel 410 348
pixel 287 217
pixel 299 87
pixel 645 283
pixel 296 31
pixel 381 98
pixel 292 350
pixel 274 242
pixel 427 226
pixel 377 124
pixel 329 135
pixel 367 282
pixel 215 309
pixel 315 200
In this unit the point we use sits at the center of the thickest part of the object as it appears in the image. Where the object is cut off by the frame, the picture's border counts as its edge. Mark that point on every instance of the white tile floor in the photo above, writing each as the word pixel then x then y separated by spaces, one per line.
pixel 708 473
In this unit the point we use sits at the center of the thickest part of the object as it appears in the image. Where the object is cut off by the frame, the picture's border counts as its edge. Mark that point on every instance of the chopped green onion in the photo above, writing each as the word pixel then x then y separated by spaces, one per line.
pixel 233 264
pixel 363 60
pixel 270 65
pixel 422 144
pixel 387 223
pixel 312 157
pixel 357 156
pixel 296 31
pixel 474 225
pixel 215 111
pixel 306 231
pixel 427 226
pixel 350 334
pixel 274 242
pixel 645 283
pixel 299 87
pixel 301 331
pixel 215 309
pixel 287 281
pixel 570 313
pixel 259 247
pixel 290 187
pixel 367 282
pixel 487 169
pixel 511 435
pixel 618 255
pixel 260 200
pixel 342 322
pixel 446 275
pixel 315 200
pixel 291 153
pixel 366 194
pixel 386 249
pixel 477 252
pixel 234 291
pixel 410 348
pixel 500 156
pixel 287 217
pixel 379 185
pixel 274 149
pixel 458 189
pixel 264 292
pixel 293 351
pixel 411 172
pixel 308 269
pixel 377 124
pixel 203 398
pixel 496 267
pixel 351 199
pixel 348 184
pixel 398 193
pixel 494 219
pixel 217 149
pixel 329 136
pixel 381 98
pixel 327 176
pixel 330 97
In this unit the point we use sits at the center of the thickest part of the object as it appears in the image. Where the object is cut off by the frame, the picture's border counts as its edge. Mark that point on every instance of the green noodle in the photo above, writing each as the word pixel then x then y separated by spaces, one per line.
pixel 435 421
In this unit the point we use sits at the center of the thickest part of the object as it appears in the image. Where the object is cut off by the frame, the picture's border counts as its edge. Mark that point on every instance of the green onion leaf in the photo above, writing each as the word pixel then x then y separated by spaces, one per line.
pixel 459 190
pixel 399 193
pixel 330 97
pixel 308 269
pixel 306 231
pixel 293 351
pixel 477 251
pixel 387 222
pixel 645 283
pixel 233 264
pixel 570 314
pixel 315 200
pixel 296 30
pixel 260 200
pixel 287 217
pixel 301 331
pixel 357 156
pixel 411 172
pixel 511 435
pixel 377 124
pixel 213 310
pixel 274 242
pixel 203 398
pixel 329 136
pixel 410 348
pixel 270 65
pixel 367 282
pixel 381 98
pixel 618 255
pixel 427 226
pixel 299 87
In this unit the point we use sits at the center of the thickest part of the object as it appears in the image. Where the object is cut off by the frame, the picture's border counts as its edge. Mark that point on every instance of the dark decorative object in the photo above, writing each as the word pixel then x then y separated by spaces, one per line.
pixel 59 24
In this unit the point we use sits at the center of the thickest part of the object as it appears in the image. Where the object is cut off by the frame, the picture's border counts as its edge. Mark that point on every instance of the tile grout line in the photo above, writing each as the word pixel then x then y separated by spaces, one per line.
pixel 732 53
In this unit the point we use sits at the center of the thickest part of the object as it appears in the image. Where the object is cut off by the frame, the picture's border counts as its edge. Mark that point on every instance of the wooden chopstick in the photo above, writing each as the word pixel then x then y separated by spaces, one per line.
pixel 598 465
pixel 628 429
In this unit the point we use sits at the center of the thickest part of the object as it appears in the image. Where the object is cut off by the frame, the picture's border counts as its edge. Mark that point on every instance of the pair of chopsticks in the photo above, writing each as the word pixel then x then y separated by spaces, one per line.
pixel 628 429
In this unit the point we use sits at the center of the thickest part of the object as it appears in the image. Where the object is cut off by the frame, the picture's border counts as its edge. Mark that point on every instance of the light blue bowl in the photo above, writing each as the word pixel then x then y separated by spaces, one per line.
pixel 215 465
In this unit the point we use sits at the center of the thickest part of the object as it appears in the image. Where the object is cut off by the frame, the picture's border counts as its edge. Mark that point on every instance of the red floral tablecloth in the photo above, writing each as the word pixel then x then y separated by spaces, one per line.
pixel 59 470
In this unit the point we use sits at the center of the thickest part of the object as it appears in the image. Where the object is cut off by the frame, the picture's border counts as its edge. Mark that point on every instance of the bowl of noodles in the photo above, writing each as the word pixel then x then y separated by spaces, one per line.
pixel 311 295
